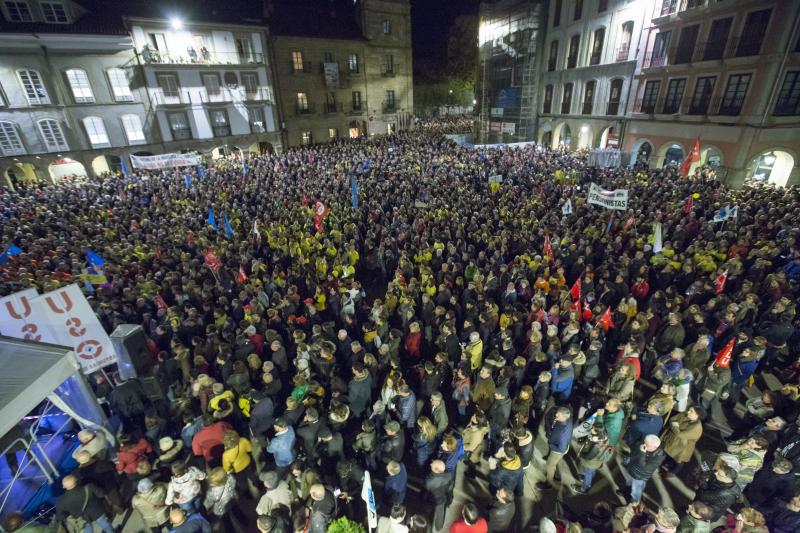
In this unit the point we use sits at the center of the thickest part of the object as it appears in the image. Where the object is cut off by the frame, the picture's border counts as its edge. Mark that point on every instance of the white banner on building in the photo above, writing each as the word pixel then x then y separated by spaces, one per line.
pixel 156 162
pixel 616 199
pixel 15 316
pixel 497 112
pixel 509 127
pixel 67 317
pixel 331 74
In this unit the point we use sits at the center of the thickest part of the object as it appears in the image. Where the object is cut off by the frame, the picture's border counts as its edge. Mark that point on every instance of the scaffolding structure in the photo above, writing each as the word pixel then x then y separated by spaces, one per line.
pixel 509 41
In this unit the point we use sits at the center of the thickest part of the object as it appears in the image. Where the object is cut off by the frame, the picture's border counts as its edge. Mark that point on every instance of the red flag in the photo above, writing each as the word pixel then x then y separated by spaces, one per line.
pixel 724 356
pixel 320 212
pixel 719 283
pixel 304 200
pixel 587 312
pixel 160 302
pixel 692 156
pixel 212 261
pixel 548 250
pixel 605 319
pixel 242 277
pixel 629 223
pixel 575 291
pixel 689 205
pixel 575 306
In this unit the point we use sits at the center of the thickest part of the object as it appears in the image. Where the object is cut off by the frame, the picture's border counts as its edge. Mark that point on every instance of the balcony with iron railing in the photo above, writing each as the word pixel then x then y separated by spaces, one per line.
pixel 331 108
pixel 258 94
pixel 390 70
pixel 300 67
pixel 670 106
pixel 356 109
pixel 645 105
pixel 181 134
pixel 151 56
pixel 389 107
pixel 612 108
pixel 221 130
pixel 162 97
pixel 219 97
pixel 623 52
pixel 303 110
pixel 655 59
pixel 729 108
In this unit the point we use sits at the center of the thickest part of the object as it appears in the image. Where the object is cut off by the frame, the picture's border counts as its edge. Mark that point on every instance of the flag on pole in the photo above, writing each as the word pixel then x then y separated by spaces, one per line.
pixel 160 301
pixel 211 220
pixel 575 291
pixel 188 179
pixel 725 213
pixel 354 191
pixel 719 283
pixel 212 261
pixel 605 320
pixel 320 212
pixel 689 205
pixel 658 245
pixel 244 167
pixel 123 167
pixel 227 226
pixel 587 314
pixel 201 171
pixel 693 156
pixel 241 277
pixel 566 209
pixel 629 223
pixel 610 221
pixel 723 358
pixel 369 499
pixel 548 250
pixel 11 251
pixel 255 230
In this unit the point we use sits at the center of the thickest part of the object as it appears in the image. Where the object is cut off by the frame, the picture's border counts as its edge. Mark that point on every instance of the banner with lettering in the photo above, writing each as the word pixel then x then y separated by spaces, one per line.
pixel 65 317
pixel 15 316
pixel 156 162
pixel 616 199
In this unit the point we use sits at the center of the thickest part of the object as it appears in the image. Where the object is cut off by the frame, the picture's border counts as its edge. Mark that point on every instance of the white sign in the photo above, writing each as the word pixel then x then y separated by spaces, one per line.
pixel 616 199
pixel 566 209
pixel 331 74
pixel 497 112
pixel 726 212
pixel 65 316
pixel 156 162
pixel 509 127
pixel 369 499
pixel 497 178
pixel 15 316
pixel 658 245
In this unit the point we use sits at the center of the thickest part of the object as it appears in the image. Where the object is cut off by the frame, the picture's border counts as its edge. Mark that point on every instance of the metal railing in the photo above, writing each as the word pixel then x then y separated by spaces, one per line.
pixel 222 130
pixel 651 59
pixel 162 97
pixel 586 109
pixel 201 57
pixel 258 95
pixel 613 108
pixel 670 107
pixel 389 107
pixel 303 110
pixel 181 134
pixel 300 68
pixel 390 71
pixel 214 98
pixel 683 55
pixel 622 53
pixel 353 110
pixel 594 59
pixel 565 107
pixel 702 107
pixel 647 106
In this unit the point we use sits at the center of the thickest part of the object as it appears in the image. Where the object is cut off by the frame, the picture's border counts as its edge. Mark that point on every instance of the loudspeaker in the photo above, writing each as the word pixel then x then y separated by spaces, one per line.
pixel 133 358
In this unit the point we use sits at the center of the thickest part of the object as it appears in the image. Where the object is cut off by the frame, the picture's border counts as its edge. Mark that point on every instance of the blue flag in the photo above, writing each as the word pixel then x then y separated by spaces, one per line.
pixel 123 167
pixel 244 168
pixel 11 251
pixel 227 225
pixel 211 220
pixel 354 191
pixel 94 259
pixel 201 171
pixel 188 179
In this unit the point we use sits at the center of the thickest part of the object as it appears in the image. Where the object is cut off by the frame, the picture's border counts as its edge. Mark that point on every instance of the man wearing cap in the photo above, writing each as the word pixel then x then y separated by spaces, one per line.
pixel 149 502
pixel 277 493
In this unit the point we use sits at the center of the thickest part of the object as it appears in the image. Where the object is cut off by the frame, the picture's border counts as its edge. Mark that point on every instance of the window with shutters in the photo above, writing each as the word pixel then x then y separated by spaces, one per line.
pixel 597 46
pixel 588 97
pixel 717 39
pixel 18 11
pixel 566 99
pixel 789 97
pixel 120 87
pixel 547 106
pixel 557 13
pixel 649 97
pixel 54 12
pixel 33 87
pixel 755 28
pixel 179 126
pixel 10 141
pixel 52 135
pixel 572 56
pixel 255 116
pixel 553 57
pixel 132 125
pixel 735 93
pixel 356 100
pixel 79 84
pixel 96 131
pixel 686 44
pixel 702 95
pixel 675 89
pixel 614 97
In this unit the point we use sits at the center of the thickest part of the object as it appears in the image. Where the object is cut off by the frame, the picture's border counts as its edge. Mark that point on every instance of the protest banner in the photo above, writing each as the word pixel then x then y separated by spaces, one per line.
pixel 156 162
pixel 15 316
pixel 616 199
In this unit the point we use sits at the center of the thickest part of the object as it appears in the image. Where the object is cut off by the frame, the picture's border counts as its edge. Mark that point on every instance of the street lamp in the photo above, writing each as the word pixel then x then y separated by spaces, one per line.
pixel 176 23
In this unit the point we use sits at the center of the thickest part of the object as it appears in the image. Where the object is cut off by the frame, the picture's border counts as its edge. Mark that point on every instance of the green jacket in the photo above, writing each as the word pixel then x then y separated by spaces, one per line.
pixel 690 524
pixel 613 425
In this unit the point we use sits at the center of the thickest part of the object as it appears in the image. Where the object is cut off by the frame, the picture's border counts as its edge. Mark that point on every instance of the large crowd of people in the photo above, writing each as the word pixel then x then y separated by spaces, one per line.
pixel 458 340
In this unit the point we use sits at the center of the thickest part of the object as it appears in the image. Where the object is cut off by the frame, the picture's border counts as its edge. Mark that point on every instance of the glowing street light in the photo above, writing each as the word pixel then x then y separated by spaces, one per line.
pixel 176 23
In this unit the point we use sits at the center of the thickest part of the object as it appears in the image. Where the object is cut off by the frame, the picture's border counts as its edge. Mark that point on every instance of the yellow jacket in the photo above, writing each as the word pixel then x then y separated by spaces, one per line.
pixel 238 458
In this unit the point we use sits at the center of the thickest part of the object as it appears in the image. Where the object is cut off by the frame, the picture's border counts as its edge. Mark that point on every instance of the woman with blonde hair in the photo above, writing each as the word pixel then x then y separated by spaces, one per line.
pixel 424 440
pixel 621 384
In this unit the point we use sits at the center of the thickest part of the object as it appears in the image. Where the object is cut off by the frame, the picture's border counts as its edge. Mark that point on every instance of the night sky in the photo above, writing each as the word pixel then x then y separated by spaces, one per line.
pixel 430 23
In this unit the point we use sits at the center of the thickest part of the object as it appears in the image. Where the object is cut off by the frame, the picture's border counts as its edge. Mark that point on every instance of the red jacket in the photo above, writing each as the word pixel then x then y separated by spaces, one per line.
pixel 412 345
pixel 462 527
pixel 208 441
pixel 129 457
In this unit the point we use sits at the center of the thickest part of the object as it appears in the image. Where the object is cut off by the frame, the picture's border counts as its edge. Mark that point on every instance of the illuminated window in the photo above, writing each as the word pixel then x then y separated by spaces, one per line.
pixel 33 86
pixel 297 61
pixel 96 131
pixel 119 85
pixel 132 125
pixel 10 142
pixel 54 12
pixel 52 135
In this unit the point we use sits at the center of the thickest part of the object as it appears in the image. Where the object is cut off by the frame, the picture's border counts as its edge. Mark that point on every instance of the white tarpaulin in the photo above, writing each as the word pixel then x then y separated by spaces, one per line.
pixel 616 199
pixel 331 74
pixel 604 158
pixel 66 318
pixel 155 162
pixel 15 315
